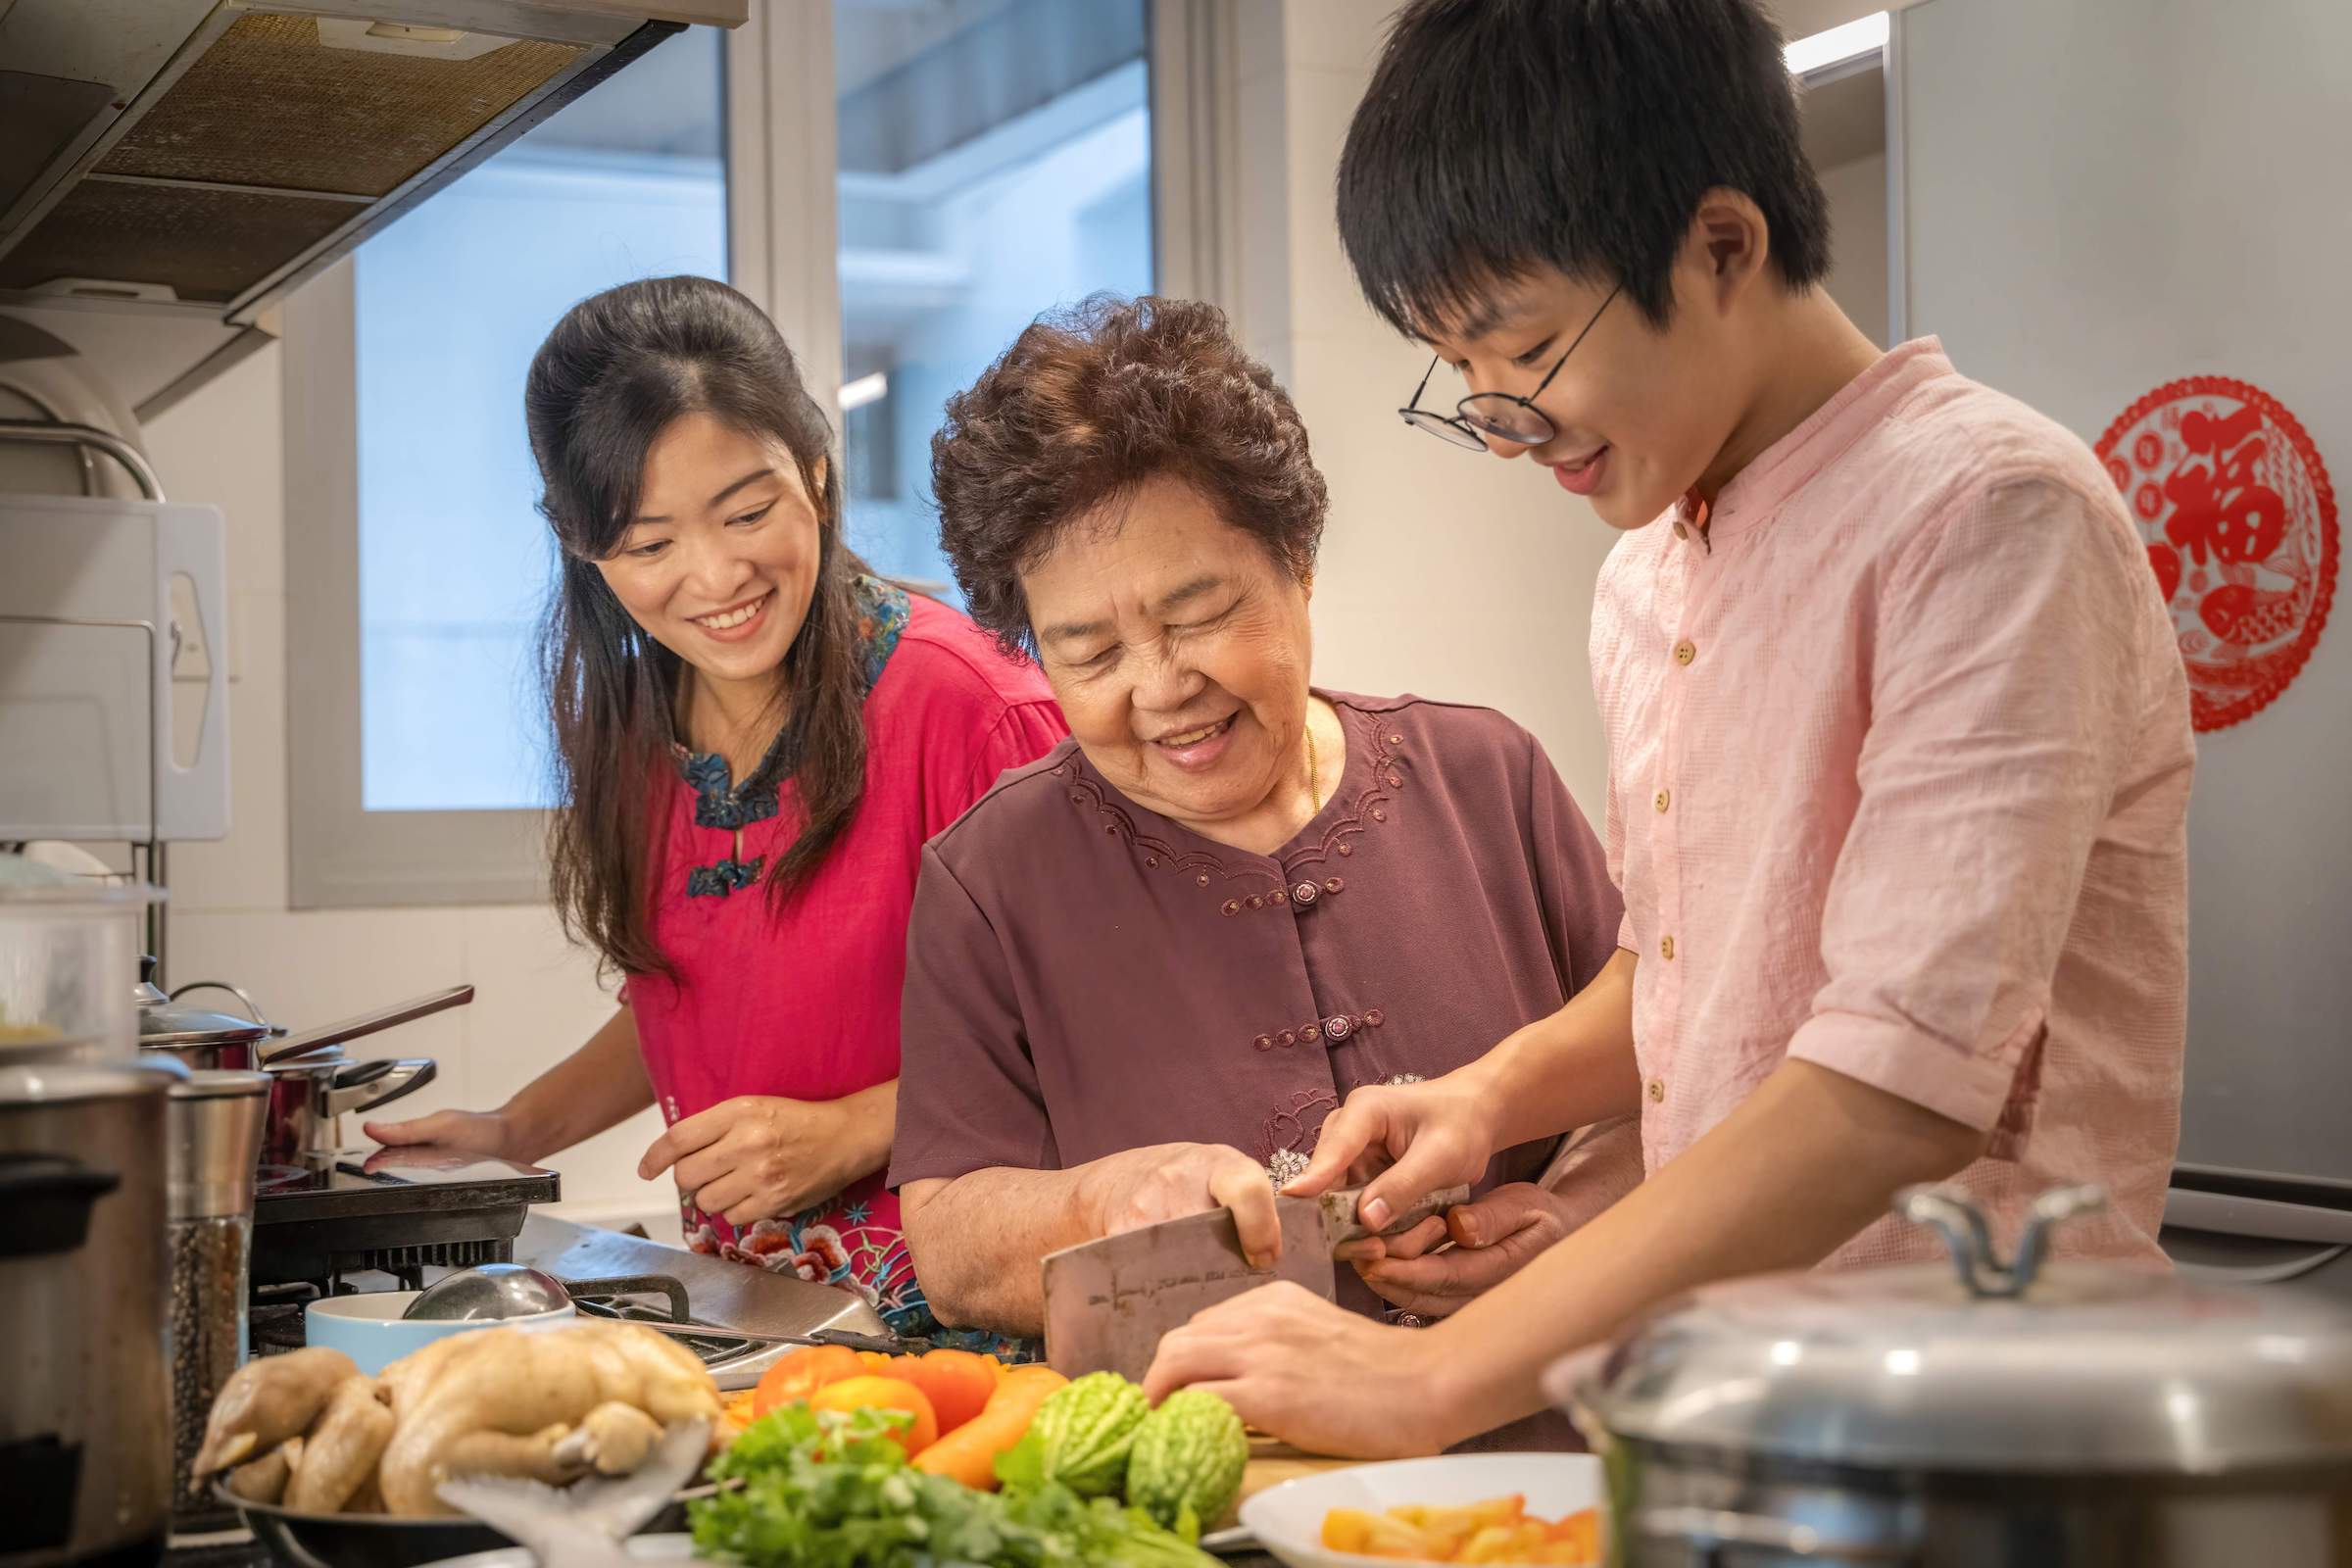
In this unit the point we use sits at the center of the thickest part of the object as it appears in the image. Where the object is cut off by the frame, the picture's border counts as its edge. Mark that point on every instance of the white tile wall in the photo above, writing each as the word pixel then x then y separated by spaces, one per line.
pixel 536 996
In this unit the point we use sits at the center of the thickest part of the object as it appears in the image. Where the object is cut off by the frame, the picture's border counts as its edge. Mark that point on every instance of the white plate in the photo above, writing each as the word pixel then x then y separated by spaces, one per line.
pixel 642 1548
pixel 1288 1520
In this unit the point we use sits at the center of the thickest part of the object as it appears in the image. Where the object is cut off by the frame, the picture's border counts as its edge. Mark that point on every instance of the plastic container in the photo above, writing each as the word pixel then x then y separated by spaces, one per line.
pixel 69 958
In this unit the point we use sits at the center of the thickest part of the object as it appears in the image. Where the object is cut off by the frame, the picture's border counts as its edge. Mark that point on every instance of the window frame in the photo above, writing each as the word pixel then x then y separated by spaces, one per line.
pixel 782 251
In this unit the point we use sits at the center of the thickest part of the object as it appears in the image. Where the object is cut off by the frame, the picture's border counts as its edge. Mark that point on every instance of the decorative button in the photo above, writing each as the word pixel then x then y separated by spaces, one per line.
pixel 1232 907
pixel 1151 861
pixel 1663 798
pixel 1201 879
pixel 1375 1018
pixel 1307 892
pixel 1257 901
pixel 1394 782
pixel 1396 739
pixel 1264 1042
pixel 1279 895
pixel 1666 948
pixel 1379 815
pixel 1077 798
pixel 1286 1037
pixel 1340 1027
pixel 1111 828
pixel 1684 651
pixel 1311 1034
pixel 1334 884
pixel 1657 1091
pixel 1346 849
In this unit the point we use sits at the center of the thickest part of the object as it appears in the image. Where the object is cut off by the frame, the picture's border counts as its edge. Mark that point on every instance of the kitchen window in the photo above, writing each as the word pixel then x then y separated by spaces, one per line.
pixel 993 163
pixel 988 160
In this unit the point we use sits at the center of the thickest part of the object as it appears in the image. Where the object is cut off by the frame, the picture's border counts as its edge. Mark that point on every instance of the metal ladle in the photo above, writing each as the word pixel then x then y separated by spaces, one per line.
pixel 490 1291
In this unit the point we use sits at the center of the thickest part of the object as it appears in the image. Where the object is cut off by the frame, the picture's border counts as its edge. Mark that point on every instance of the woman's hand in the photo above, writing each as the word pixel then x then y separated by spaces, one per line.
pixel 1167 1181
pixel 759 1156
pixel 1492 1239
pixel 1403 1143
pixel 1316 1376
pixel 477 1131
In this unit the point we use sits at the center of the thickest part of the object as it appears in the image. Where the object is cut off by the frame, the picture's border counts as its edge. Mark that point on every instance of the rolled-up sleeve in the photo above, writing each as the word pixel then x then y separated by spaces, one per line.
pixel 2005 685
pixel 968 1097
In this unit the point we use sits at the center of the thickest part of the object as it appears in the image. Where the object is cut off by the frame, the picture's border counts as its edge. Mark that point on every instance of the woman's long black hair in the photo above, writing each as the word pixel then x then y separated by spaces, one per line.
pixel 616 371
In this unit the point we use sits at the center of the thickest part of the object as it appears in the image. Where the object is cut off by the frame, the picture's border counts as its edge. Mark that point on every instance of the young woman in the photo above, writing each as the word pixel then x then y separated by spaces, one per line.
pixel 755 736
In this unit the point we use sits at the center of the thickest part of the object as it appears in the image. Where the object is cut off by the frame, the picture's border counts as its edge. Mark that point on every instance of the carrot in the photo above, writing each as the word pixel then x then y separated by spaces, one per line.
pixel 969 1453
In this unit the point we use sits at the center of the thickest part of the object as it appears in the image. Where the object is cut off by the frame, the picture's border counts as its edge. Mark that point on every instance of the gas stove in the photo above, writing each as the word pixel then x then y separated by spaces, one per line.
pixel 398 1219
pixel 393 1211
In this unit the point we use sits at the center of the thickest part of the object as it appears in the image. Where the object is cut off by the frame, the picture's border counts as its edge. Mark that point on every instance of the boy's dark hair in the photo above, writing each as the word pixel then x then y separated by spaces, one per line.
pixel 1498 135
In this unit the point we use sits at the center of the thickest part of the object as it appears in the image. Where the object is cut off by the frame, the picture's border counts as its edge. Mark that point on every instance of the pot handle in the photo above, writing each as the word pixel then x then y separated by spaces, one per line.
pixel 1952 1213
pixel 1713 1534
pixel 253 1008
pixel 48 1200
pixel 365 1085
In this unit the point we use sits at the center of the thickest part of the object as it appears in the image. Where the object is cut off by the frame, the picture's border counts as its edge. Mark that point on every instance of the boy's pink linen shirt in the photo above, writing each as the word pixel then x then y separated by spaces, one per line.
pixel 1900 760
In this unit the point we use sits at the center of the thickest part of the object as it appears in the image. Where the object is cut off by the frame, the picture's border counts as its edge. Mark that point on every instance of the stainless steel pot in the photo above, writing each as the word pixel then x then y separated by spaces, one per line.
pixel 86 1439
pixel 309 1097
pixel 1991 1415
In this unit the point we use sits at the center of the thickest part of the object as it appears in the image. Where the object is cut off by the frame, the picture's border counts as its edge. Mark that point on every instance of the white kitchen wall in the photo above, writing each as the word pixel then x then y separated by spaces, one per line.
pixel 1857 192
pixel 536 997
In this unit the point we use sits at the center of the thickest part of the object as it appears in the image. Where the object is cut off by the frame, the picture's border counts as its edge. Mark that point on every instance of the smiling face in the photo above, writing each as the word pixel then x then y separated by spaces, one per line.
pixel 1179 652
pixel 1641 413
pixel 722 560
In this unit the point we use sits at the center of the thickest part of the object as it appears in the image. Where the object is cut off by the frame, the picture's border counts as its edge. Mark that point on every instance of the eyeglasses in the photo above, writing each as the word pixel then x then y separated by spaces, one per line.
pixel 1515 420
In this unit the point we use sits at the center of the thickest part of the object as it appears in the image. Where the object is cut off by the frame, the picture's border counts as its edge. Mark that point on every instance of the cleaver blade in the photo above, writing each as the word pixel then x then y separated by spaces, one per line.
pixel 1109 1302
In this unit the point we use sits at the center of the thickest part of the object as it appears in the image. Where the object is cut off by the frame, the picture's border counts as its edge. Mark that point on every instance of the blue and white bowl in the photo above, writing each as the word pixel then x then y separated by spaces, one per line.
pixel 370 1331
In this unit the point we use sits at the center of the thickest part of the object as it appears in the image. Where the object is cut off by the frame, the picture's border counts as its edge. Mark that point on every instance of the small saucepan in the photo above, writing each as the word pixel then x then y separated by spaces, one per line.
pixel 308 1098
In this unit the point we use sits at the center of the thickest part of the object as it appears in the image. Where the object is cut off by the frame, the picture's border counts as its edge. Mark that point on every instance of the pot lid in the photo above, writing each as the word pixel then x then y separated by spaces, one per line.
pixel 72 1083
pixel 164 1021
pixel 1980 1366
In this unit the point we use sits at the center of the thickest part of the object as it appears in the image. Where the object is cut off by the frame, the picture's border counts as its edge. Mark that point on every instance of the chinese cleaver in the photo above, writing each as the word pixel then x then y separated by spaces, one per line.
pixel 1109 1302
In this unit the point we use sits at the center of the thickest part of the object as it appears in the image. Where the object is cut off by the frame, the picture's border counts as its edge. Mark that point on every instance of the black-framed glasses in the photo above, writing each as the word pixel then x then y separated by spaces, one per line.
pixel 1500 415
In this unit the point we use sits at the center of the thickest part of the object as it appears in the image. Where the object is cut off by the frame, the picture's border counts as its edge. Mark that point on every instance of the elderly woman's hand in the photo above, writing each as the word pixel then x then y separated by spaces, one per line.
pixel 1166 1181
pixel 1493 1240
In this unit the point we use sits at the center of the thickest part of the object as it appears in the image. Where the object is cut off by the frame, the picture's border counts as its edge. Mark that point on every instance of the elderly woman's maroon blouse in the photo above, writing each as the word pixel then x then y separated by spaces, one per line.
pixel 1085 976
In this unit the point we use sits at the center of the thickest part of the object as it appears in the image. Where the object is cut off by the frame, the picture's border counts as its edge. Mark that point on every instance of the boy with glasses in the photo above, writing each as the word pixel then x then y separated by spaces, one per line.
pixel 1899 739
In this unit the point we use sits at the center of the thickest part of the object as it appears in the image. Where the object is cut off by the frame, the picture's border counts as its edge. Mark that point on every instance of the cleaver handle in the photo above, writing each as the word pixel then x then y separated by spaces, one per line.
pixel 1340 1221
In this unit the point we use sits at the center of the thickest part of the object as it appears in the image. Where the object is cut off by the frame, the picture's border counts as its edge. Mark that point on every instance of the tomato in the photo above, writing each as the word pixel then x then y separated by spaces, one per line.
pixel 801 1373
pixel 957 1383
pixel 866 1392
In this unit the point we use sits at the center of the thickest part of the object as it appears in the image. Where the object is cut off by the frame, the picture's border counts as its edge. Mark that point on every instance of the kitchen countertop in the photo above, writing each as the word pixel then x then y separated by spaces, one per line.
pixel 243 1551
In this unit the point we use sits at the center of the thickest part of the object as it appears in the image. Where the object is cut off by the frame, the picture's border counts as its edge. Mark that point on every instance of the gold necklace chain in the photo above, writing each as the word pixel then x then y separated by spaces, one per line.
pixel 1314 765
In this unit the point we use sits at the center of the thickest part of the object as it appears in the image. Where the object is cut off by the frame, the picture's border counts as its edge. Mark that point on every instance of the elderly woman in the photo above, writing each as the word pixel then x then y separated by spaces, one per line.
pixel 1144 967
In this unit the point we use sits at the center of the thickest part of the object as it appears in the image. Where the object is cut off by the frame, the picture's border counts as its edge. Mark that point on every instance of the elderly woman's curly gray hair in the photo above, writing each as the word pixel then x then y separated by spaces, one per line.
pixel 1085 406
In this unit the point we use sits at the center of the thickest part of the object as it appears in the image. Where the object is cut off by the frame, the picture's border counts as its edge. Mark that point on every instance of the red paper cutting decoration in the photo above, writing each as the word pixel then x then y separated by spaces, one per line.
pixel 2235 505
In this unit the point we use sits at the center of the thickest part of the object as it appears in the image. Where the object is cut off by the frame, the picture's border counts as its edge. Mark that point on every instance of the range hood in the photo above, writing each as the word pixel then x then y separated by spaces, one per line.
pixel 170 169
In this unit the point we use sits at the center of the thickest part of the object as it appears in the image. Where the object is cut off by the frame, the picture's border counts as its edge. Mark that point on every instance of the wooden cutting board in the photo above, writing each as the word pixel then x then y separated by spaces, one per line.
pixel 1271 1463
